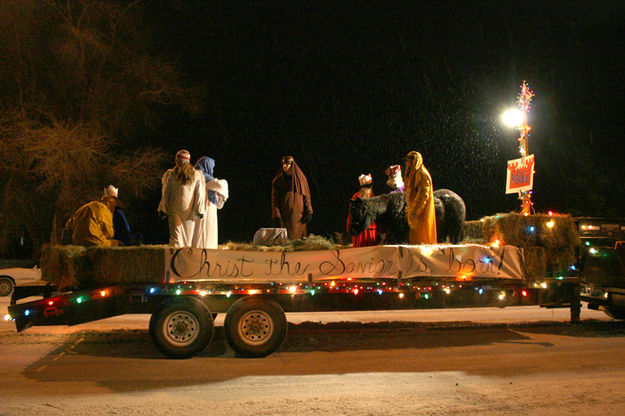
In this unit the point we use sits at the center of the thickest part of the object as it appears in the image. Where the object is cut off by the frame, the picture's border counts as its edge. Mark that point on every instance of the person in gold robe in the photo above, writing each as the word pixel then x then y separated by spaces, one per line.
pixel 420 211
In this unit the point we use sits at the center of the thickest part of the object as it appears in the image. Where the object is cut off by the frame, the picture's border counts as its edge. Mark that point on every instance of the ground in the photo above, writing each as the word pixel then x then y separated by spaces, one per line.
pixel 485 361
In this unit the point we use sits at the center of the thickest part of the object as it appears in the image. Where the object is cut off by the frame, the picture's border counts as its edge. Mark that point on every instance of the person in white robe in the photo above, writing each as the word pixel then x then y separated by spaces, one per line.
pixel 216 193
pixel 182 200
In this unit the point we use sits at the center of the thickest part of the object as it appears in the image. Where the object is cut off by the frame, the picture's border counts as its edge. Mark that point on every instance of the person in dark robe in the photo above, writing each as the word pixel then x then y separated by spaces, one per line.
pixel 120 223
pixel 290 199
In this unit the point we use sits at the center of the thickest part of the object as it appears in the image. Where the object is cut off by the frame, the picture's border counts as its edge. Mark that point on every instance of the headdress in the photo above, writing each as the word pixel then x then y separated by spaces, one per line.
pixel 365 180
pixel 183 155
pixel 110 191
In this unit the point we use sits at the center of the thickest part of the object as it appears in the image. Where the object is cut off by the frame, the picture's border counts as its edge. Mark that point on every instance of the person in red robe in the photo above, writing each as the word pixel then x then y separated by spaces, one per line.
pixel 368 237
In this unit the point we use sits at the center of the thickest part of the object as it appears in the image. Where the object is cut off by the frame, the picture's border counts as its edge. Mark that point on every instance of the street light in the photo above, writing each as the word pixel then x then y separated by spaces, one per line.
pixel 513 118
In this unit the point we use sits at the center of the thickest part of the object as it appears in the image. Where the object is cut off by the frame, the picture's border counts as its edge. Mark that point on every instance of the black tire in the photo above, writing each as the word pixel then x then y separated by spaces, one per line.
pixel 181 328
pixel 6 286
pixel 615 312
pixel 255 326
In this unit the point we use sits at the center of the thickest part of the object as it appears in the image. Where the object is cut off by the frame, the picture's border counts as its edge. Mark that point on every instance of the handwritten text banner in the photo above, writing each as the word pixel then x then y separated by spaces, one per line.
pixel 449 261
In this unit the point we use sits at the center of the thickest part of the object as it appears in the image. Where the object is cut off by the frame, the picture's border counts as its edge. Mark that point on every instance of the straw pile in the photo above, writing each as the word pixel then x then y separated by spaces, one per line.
pixel 472 232
pixel 312 242
pixel 77 267
pixel 535 261
pixel 549 251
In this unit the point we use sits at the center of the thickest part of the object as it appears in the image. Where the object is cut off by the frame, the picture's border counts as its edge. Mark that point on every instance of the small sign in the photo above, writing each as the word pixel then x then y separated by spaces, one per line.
pixel 520 176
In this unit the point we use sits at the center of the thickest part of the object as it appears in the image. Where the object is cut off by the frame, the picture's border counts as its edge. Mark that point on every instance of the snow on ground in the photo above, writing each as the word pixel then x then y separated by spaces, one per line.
pixel 21 274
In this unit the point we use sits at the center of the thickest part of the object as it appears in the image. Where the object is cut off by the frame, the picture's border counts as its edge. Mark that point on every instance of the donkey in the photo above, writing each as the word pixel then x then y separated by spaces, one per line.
pixel 450 215
pixel 389 211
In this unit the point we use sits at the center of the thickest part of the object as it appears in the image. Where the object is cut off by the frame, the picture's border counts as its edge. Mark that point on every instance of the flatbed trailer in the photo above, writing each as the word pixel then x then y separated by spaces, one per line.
pixel 183 311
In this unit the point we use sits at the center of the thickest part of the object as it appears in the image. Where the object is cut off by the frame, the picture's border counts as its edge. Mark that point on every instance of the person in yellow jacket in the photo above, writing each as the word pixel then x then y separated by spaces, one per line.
pixel 92 224
pixel 420 211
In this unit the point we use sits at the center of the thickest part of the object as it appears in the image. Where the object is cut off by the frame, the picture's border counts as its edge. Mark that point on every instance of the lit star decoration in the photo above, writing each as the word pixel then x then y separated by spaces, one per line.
pixel 524 101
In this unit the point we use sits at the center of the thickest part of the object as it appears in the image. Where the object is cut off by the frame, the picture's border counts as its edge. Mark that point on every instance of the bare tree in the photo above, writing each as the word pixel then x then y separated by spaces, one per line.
pixel 79 98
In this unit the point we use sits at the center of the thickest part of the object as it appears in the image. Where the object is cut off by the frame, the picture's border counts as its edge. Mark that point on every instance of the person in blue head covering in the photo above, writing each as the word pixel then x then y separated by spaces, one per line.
pixel 206 232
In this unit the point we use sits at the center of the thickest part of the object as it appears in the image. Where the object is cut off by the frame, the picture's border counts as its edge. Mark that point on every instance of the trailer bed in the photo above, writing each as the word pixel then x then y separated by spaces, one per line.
pixel 255 289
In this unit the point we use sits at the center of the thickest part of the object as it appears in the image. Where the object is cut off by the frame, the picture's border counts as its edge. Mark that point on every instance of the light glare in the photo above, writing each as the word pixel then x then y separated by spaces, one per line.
pixel 513 117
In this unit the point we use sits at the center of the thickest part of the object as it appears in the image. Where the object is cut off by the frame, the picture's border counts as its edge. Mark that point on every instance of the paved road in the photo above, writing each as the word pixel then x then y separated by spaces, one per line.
pixel 486 361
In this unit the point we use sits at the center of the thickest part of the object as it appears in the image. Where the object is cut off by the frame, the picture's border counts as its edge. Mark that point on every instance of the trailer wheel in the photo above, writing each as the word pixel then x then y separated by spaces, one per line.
pixel 181 328
pixel 255 326
pixel 6 286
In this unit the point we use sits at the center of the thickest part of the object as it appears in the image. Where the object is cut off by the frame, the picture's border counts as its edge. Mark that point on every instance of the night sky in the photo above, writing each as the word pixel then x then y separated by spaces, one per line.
pixel 352 87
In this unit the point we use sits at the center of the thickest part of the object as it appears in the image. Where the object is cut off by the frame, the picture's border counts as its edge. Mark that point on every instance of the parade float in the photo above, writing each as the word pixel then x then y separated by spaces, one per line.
pixel 185 288
pixel 507 259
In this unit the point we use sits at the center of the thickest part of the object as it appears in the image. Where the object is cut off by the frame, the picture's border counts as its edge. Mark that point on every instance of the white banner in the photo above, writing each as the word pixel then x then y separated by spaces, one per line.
pixel 445 261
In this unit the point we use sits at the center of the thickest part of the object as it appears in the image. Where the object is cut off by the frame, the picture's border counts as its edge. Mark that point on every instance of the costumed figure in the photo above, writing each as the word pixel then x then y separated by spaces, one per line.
pixel 92 224
pixel 205 231
pixel 182 201
pixel 420 211
pixel 394 182
pixel 290 199
pixel 120 223
pixel 368 237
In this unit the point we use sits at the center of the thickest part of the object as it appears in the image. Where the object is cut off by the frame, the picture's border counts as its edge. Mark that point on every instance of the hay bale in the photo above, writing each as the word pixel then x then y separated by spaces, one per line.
pixel 139 264
pixel 559 261
pixel 77 267
pixel 530 231
pixel 541 262
pixel 62 265
pixel 535 261
pixel 514 229
pixel 472 232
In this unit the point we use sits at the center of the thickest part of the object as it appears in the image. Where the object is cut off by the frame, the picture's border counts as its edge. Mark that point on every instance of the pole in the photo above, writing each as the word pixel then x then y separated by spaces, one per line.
pixel 525 98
